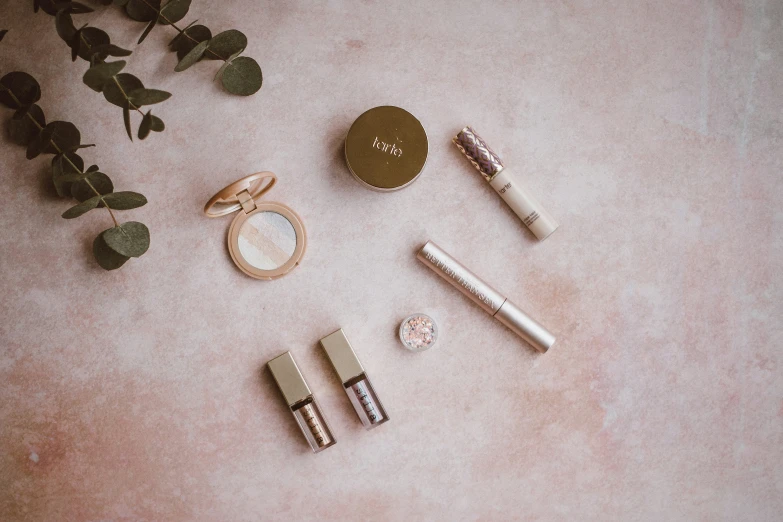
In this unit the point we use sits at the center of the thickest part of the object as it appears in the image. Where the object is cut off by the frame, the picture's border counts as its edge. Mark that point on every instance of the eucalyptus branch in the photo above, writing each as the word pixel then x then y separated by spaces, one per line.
pixel 239 74
pixel 93 45
pixel 92 188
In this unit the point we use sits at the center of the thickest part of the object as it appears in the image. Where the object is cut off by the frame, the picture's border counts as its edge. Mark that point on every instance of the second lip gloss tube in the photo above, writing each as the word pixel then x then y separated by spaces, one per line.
pixel 302 402
pixel 355 381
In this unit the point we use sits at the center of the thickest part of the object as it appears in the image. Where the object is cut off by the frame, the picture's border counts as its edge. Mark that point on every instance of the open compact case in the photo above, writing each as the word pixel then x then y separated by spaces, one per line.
pixel 266 239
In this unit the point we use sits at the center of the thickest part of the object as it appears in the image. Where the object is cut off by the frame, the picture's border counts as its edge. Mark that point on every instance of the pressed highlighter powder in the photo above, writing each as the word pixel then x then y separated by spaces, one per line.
pixel 386 148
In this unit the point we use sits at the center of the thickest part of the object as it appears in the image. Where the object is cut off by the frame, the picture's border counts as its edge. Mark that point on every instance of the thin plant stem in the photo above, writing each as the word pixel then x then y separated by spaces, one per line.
pixel 180 30
pixel 60 151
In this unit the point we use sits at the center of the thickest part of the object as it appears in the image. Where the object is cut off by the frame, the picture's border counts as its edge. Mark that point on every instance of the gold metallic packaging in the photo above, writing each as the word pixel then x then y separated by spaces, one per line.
pixel 355 381
pixel 485 296
pixel 386 148
pixel 302 402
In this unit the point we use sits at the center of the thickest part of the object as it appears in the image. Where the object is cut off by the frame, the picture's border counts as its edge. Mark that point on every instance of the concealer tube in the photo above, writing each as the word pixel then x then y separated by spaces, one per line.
pixel 485 296
pixel 521 201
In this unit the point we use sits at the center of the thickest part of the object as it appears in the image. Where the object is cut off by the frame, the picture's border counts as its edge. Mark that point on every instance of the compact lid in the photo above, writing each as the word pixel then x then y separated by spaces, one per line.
pixel 289 379
pixel 386 148
pixel 236 195
pixel 342 355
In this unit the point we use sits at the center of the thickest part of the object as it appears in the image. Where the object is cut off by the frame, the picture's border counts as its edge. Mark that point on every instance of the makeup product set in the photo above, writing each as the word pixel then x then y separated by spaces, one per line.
pixel 386 149
pixel 302 402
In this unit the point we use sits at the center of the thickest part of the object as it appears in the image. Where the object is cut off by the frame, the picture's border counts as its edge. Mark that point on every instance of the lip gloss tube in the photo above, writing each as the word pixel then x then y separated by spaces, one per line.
pixel 355 381
pixel 489 299
pixel 302 402
pixel 521 201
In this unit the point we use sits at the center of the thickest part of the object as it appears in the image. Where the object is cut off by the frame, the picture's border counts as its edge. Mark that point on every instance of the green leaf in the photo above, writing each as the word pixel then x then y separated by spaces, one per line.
pixel 74 43
pixel 72 7
pixel 225 44
pixel 23 87
pixel 157 124
pixel 125 200
pixel 65 135
pixel 130 239
pixel 195 35
pixel 146 125
pixel 92 168
pixel 97 75
pixel 173 11
pixel 64 25
pixel 63 171
pixel 107 258
pixel 39 143
pixel 147 31
pixel 91 37
pixel 179 34
pixel 23 130
pixel 141 12
pixel 102 51
pixel 141 97
pixel 226 64
pixel 127 83
pixel 82 191
pixel 126 119
pixel 242 77
pixel 192 57
pixel 3 32
pixel 82 208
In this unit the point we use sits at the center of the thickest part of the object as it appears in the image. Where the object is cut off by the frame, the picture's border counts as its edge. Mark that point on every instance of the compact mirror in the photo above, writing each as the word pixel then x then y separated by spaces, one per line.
pixel 266 240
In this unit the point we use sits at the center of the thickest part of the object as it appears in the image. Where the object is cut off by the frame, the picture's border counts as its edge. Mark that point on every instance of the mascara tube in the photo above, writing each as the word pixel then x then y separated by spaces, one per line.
pixel 521 201
pixel 485 296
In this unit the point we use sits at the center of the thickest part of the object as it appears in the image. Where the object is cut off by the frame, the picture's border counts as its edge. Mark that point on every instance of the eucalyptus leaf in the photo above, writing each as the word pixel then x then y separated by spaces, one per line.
pixel 157 124
pixel 64 25
pixel 141 97
pixel 173 11
pixel 49 6
pixel 72 7
pixel 82 189
pixel 91 37
pixel 114 92
pixel 97 75
pixel 92 168
pixel 130 239
pixel 147 30
pixel 74 43
pixel 22 89
pixel 23 130
pixel 39 143
pixel 126 119
pixel 225 44
pixel 82 208
pixel 226 64
pixel 242 77
pixel 146 125
pixel 65 137
pixel 107 258
pixel 63 170
pixel 179 34
pixel 192 57
pixel 184 43
pixel 3 32
pixel 125 200
pixel 141 11
pixel 108 50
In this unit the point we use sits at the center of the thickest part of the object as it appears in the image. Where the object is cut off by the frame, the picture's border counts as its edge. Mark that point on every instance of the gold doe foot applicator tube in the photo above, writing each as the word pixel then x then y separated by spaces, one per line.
pixel 485 296
pixel 521 201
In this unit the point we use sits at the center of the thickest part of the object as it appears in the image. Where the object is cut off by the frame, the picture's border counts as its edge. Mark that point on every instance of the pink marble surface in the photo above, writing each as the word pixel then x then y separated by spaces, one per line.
pixel 653 130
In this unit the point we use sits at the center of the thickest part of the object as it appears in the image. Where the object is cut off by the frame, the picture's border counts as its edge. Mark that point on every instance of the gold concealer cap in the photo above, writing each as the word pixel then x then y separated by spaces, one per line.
pixel 342 355
pixel 289 379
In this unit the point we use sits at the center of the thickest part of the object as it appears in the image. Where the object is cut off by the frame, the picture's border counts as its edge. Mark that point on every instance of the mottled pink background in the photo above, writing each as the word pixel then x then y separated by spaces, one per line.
pixel 653 130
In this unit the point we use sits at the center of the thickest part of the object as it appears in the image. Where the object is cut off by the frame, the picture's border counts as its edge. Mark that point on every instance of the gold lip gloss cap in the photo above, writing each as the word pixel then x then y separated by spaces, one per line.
pixel 289 379
pixel 342 356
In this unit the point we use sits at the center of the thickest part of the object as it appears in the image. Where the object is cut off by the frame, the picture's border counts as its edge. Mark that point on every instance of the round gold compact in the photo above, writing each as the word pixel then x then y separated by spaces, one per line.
pixel 266 239
pixel 386 148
